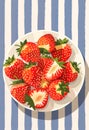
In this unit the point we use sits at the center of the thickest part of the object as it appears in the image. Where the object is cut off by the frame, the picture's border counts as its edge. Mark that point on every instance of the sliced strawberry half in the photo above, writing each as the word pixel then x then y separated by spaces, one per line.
pixel 62 50
pixel 18 90
pixel 53 69
pixel 39 97
pixel 58 89
pixel 70 72
pixel 44 84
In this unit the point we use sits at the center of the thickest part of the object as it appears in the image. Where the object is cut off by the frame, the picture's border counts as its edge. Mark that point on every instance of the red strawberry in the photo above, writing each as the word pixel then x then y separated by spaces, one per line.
pixel 32 75
pixel 62 50
pixel 18 90
pixel 70 72
pixel 46 41
pixel 39 97
pixel 42 61
pixel 53 69
pixel 28 51
pixel 58 89
pixel 13 68
pixel 46 59
pixel 44 84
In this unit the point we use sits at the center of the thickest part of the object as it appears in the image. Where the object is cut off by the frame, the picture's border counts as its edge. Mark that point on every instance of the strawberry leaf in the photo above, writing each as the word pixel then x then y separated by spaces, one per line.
pixel 44 51
pixel 18 81
pixel 46 56
pixel 30 64
pixel 29 101
pixel 60 41
pixel 9 60
pixel 20 46
pixel 63 87
pixel 60 63
pixel 65 40
pixel 75 65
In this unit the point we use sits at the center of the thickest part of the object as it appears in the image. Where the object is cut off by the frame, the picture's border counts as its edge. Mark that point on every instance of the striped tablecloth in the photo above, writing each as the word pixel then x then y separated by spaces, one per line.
pixel 69 17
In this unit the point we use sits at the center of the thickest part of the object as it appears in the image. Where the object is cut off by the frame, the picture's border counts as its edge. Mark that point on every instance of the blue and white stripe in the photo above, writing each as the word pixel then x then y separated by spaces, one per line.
pixel 87 66
pixel 69 17
pixel 2 49
pixel 7 47
pixel 81 44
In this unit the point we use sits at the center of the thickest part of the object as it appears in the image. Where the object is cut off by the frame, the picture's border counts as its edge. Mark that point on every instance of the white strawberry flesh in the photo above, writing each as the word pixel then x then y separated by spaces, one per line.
pixel 52 71
pixel 40 97
pixel 62 46
pixel 44 46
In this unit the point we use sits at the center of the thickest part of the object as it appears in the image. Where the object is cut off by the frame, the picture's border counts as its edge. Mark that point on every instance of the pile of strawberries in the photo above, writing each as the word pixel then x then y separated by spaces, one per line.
pixel 41 70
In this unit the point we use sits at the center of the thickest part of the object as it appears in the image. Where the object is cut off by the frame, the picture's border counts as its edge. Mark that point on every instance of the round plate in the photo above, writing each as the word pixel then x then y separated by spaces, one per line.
pixel 74 86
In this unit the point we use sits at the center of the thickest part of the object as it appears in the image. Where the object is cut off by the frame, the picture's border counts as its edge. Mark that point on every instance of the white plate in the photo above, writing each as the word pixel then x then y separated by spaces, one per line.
pixel 75 86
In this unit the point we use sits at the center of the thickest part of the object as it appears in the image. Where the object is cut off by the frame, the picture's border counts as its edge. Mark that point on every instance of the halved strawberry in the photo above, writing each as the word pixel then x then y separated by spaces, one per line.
pixel 62 50
pixel 28 51
pixel 13 68
pixel 53 69
pixel 39 97
pixel 44 84
pixel 32 74
pixel 18 90
pixel 58 89
pixel 46 41
pixel 70 72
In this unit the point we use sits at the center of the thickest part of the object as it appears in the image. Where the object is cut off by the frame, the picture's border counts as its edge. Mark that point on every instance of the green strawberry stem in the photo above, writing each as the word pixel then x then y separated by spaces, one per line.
pixel 17 81
pixel 30 64
pixel 61 63
pixel 61 41
pixel 44 51
pixel 9 61
pixel 75 65
pixel 63 88
pixel 30 101
pixel 20 46
pixel 46 56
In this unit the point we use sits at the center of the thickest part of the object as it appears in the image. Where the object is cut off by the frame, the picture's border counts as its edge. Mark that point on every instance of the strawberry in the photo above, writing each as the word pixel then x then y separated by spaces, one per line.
pixel 28 51
pixel 46 41
pixel 39 97
pixel 44 84
pixel 70 72
pixel 18 90
pixel 62 50
pixel 42 61
pixel 32 74
pixel 13 68
pixel 53 69
pixel 58 90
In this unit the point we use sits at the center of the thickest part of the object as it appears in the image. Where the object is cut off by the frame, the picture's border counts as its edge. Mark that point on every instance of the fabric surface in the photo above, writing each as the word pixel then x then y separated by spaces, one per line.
pixel 70 17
